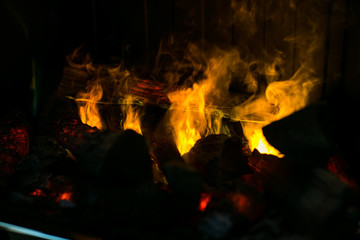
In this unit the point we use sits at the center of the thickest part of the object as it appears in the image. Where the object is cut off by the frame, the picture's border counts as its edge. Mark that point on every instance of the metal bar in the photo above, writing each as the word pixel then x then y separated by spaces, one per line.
pixel 28 232
pixel 210 109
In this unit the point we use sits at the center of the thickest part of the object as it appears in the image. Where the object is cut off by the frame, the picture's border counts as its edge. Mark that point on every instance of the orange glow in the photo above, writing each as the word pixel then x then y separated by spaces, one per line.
pixel 37 192
pixel 242 203
pixel 87 103
pixel 132 116
pixel 65 196
pixel 204 200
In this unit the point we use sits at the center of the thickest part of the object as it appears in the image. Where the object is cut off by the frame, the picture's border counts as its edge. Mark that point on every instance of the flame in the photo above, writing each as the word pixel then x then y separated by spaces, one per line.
pixel 88 110
pixel 132 116
pixel 257 140
pixel 193 112
pixel 281 98
pixel 202 79
pixel 188 117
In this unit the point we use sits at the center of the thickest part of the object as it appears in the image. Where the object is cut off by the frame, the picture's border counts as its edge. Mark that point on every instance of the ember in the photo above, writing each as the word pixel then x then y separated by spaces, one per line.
pixel 65 196
pixel 204 200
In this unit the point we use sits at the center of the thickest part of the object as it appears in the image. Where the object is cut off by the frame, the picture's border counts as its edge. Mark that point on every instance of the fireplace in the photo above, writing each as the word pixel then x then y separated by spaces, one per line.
pixel 180 119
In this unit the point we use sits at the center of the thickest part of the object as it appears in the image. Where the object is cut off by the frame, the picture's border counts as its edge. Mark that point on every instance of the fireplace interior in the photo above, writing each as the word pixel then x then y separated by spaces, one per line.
pixel 173 119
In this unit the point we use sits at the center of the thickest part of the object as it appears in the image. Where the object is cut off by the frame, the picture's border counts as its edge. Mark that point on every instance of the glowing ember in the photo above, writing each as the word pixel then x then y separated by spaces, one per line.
pixel 241 202
pixel 204 200
pixel 65 196
pixel 37 192
pixel 15 140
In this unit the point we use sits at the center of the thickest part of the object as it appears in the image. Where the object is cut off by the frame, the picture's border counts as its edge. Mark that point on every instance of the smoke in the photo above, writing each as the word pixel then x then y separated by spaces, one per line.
pixel 273 68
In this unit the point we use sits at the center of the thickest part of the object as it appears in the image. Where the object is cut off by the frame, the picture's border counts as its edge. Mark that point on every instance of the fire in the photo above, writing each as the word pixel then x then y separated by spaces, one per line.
pixel 281 98
pixel 193 112
pixel 202 96
pixel 132 116
pixel 257 140
pixel 88 110
pixel 188 117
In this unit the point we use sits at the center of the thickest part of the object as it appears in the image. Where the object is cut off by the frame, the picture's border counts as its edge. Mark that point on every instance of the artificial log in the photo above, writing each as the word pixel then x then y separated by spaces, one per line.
pixel 183 180
pixel 73 81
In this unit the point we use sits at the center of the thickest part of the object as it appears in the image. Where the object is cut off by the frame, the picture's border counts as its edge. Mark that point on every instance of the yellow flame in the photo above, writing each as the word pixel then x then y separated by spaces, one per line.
pixel 88 110
pixel 191 116
pixel 132 116
pixel 188 117
pixel 280 99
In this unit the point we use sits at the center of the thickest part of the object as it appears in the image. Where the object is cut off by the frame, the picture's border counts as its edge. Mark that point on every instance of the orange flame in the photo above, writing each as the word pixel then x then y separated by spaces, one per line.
pixel 188 116
pixel 88 110
pixel 281 99
pixel 132 116
pixel 197 110
pixel 192 113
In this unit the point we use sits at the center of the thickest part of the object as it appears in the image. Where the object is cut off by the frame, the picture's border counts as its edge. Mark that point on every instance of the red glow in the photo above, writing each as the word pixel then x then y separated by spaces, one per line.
pixel 242 203
pixel 337 165
pixel 37 192
pixel 16 141
pixel 65 196
pixel 204 200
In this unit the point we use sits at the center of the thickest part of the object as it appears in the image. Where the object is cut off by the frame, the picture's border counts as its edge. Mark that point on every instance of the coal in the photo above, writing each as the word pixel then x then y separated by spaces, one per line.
pixel 307 136
pixel 186 185
pixel 313 201
pixel 233 156
pixel 127 159
pixel 220 159
pixel 216 225
pixel 48 167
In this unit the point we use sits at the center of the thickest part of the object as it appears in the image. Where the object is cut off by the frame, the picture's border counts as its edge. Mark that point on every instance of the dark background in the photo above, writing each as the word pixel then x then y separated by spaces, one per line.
pixel 38 35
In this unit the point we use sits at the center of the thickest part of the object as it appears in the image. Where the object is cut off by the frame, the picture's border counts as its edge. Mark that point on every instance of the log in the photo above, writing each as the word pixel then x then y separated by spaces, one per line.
pixel 116 156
